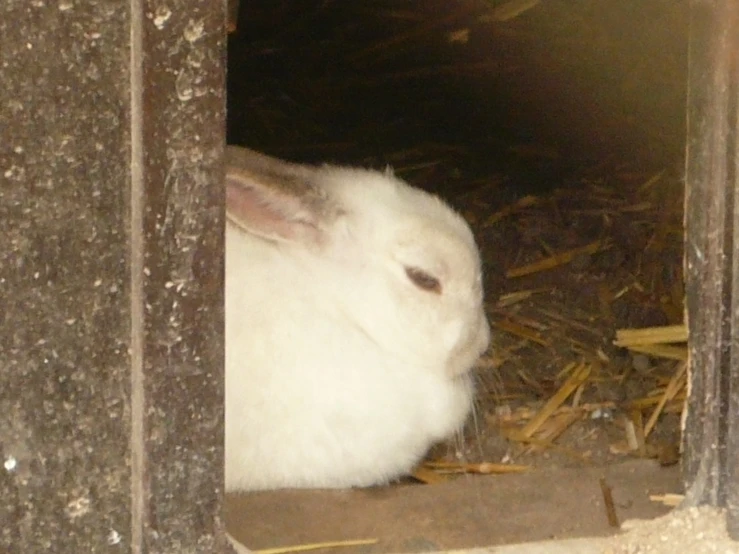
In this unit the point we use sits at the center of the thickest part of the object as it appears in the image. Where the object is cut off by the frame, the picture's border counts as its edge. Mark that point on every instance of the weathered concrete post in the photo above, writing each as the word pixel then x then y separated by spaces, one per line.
pixel 111 269
pixel 712 258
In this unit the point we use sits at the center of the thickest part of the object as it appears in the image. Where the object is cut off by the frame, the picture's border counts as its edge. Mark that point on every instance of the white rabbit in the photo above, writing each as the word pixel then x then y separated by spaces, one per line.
pixel 353 314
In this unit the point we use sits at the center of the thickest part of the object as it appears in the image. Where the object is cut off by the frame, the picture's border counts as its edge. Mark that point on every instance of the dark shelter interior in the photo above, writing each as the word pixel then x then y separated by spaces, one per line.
pixel 558 130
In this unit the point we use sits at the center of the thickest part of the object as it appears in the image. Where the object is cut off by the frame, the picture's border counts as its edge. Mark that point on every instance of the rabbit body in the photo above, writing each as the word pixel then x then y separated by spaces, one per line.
pixel 353 315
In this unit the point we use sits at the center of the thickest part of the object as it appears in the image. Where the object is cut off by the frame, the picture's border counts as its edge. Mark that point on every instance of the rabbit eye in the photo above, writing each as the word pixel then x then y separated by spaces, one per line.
pixel 423 280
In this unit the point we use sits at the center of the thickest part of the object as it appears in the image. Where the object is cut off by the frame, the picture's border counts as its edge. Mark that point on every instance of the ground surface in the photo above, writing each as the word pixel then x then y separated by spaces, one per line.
pixel 696 530
pixel 560 131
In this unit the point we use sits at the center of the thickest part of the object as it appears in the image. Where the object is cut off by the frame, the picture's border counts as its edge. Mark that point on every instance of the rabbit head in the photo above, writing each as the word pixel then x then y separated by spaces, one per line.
pixel 356 290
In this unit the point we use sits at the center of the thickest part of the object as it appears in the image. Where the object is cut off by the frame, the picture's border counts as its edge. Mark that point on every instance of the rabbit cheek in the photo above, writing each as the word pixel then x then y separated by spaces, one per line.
pixel 455 347
pixel 468 348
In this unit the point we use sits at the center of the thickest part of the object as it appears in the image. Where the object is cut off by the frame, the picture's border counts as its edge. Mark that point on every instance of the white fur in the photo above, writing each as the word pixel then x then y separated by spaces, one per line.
pixel 340 371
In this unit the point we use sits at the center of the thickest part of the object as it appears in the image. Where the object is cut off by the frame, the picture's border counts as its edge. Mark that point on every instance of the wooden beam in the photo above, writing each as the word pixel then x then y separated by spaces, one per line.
pixel 111 272
pixel 712 259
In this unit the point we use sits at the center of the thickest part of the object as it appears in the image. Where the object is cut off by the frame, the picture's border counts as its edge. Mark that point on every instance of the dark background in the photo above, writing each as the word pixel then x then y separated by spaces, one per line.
pixel 566 84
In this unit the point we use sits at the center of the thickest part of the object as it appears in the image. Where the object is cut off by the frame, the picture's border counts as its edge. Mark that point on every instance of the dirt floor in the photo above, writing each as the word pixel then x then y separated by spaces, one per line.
pixel 559 134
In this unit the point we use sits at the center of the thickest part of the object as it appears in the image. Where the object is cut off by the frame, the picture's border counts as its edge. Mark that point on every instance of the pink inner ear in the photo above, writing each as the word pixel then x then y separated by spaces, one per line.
pixel 268 213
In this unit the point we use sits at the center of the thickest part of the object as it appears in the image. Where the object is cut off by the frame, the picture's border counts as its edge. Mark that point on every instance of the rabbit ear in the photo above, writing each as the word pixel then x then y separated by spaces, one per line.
pixel 274 199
